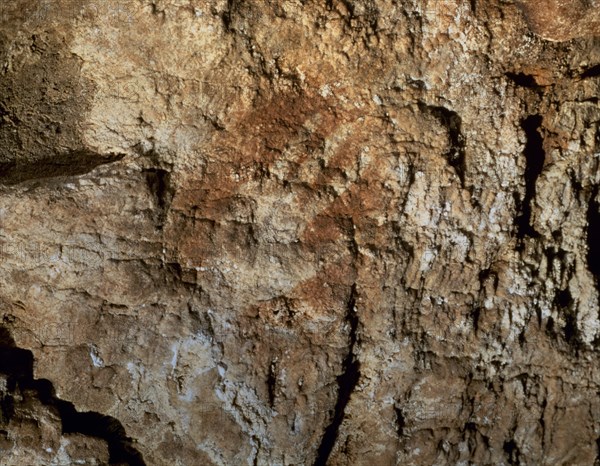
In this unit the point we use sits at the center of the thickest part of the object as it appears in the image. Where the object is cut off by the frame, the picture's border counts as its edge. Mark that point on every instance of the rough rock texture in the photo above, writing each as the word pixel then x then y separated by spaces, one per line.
pixel 344 232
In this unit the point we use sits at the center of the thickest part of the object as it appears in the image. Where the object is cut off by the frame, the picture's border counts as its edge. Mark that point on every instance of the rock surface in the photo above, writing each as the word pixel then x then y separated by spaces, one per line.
pixel 344 232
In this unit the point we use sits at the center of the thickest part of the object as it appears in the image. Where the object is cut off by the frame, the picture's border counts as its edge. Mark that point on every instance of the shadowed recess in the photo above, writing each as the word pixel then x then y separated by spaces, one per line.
pixel 71 164
pixel 593 235
pixel 534 164
pixel 591 72
pixel 17 365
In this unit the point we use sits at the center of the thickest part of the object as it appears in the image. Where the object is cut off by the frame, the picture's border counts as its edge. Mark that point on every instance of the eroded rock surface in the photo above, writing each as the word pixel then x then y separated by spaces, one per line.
pixel 352 232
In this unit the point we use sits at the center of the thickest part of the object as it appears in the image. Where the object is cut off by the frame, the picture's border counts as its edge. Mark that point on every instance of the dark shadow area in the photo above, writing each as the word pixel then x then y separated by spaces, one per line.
pixel 534 164
pixel 512 452
pixel 593 242
pixel 591 72
pixel 159 185
pixel 72 164
pixel 523 80
pixel 17 365
pixel 400 422
pixel 593 235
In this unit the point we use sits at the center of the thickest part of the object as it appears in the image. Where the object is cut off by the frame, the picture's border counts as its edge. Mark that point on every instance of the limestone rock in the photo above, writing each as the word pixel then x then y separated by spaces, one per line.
pixel 351 232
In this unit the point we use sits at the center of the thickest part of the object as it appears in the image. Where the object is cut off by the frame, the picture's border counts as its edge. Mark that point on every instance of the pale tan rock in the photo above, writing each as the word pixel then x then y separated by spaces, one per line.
pixel 563 19
pixel 353 232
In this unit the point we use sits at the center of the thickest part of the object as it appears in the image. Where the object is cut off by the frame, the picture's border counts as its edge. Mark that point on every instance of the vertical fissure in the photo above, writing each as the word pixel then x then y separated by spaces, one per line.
pixel 346 382
pixel 400 421
pixel 593 237
pixel 158 181
pixel 272 382
pixel 534 163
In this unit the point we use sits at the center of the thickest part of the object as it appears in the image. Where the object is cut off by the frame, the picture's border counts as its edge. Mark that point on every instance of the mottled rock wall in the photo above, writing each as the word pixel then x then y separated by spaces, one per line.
pixel 344 232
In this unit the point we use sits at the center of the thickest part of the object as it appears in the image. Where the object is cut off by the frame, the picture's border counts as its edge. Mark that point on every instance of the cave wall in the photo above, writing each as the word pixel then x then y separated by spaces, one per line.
pixel 344 232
